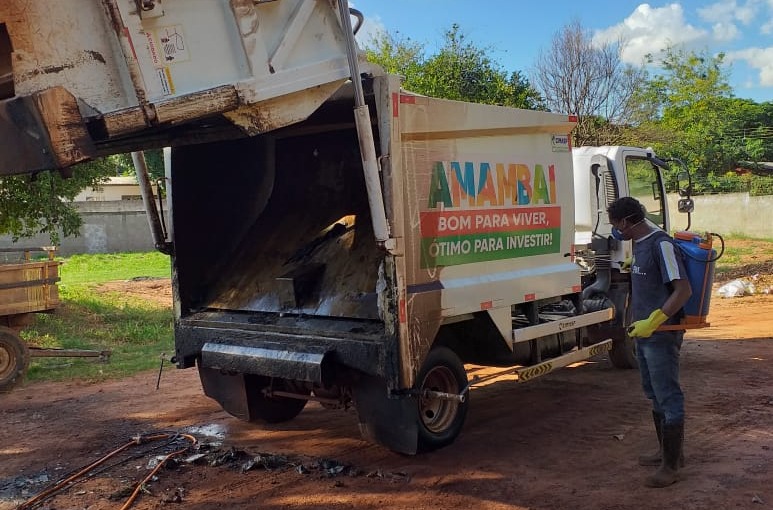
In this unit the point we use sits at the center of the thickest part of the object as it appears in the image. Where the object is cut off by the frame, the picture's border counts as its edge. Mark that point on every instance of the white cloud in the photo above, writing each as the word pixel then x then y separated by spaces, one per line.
pixel 649 30
pixel 722 12
pixel 371 29
pixel 767 28
pixel 723 32
pixel 757 58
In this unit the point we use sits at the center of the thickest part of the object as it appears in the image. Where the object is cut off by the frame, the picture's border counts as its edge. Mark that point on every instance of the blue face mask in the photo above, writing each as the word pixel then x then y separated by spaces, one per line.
pixel 619 234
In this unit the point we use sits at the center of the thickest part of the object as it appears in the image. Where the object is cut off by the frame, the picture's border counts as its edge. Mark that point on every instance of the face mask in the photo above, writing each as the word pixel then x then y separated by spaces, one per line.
pixel 617 234
pixel 620 234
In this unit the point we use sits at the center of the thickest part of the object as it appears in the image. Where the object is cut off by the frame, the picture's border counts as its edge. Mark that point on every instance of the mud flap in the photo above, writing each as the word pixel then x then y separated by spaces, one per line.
pixel 228 390
pixel 391 422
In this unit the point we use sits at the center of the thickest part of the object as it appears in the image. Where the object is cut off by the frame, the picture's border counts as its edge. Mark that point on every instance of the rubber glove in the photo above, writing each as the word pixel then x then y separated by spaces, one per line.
pixel 626 264
pixel 644 328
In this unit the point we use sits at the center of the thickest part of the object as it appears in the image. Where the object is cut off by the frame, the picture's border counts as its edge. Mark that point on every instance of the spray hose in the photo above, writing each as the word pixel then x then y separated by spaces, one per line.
pixel 83 472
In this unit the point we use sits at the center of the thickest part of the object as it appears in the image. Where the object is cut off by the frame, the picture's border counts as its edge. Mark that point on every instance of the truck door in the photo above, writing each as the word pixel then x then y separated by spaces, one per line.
pixel 645 184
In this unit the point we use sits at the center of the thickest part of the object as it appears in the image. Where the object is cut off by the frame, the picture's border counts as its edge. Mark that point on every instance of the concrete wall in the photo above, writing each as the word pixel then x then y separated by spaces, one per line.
pixel 729 213
pixel 121 226
pixel 108 227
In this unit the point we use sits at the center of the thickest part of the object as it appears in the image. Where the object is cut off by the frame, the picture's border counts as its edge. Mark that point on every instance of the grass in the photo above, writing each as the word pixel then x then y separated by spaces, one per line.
pixel 105 267
pixel 743 255
pixel 135 331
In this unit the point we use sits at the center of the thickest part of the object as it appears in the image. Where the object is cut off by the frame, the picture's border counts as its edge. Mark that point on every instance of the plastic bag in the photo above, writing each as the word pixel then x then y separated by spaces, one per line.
pixel 736 288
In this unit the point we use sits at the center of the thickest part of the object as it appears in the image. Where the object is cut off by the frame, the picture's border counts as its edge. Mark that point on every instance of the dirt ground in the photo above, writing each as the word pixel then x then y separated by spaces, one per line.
pixel 565 441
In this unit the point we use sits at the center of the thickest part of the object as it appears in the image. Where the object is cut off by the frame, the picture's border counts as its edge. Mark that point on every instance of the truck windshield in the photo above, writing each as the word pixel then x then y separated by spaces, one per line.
pixel 644 184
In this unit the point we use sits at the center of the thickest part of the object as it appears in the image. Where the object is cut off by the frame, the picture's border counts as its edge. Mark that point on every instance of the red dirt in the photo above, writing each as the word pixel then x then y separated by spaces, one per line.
pixel 565 441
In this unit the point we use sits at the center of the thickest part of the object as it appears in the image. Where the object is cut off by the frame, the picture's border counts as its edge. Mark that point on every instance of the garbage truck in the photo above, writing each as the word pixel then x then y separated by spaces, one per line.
pixel 334 237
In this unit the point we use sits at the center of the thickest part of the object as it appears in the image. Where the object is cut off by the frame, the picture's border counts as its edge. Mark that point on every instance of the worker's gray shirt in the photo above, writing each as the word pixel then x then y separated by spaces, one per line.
pixel 657 261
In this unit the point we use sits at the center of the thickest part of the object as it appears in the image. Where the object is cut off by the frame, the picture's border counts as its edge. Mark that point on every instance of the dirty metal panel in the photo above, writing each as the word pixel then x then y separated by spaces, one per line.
pixel 271 361
pixel 66 43
pixel 490 204
pixel 41 132
pixel 489 210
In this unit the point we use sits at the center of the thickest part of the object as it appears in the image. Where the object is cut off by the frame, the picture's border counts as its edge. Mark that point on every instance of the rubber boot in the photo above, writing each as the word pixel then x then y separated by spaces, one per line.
pixel 668 472
pixel 655 458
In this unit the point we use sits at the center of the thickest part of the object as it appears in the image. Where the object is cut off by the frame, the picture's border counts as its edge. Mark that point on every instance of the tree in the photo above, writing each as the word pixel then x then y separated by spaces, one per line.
pixel 42 203
pixel 460 70
pixel 691 107
pixel 577 76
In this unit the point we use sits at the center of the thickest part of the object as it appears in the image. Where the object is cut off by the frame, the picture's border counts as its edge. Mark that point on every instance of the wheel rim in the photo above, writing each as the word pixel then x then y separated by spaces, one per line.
pixel 6 361
pixel 438 414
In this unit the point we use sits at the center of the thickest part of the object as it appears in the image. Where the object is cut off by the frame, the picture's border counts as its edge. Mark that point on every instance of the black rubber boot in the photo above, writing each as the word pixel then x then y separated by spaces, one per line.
pixel 655 458
pixel 667 473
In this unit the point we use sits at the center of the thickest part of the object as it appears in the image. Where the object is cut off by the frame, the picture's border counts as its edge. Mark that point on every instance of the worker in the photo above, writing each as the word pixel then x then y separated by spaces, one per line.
pixel 660 289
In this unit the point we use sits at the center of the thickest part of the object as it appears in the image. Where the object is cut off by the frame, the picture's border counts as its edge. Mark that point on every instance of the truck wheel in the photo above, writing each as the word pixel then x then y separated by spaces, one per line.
pixel 623 352
pixel 14 359
pixel 440 420
pixel 273 409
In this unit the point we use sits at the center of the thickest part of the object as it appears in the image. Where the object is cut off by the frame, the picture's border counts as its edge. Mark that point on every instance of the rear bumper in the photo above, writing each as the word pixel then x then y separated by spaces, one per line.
pixel 235 343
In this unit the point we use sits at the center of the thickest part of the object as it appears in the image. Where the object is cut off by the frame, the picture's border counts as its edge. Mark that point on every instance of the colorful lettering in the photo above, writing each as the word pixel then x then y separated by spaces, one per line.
pixel 458 184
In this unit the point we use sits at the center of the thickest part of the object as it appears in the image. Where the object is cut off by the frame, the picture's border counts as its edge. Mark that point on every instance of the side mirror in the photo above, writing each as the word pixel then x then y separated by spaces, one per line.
pixel 684 184
pixel 685 205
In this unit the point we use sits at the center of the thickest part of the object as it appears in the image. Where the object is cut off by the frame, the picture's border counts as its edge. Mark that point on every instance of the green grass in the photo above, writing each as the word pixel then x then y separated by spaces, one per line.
pixel 135 331
pixel 80 269
pixel 741 252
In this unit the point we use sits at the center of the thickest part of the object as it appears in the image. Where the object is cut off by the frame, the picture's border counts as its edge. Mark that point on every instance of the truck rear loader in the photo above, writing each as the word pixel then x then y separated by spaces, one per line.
pixel 334 237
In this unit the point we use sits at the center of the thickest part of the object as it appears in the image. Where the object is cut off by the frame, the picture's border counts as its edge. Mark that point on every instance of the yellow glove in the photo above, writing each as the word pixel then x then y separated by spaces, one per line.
pixel 645 328
pixel 626 264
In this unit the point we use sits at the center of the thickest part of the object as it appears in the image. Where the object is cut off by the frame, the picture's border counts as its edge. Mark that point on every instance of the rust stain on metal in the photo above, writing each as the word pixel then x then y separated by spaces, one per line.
pixel 252 119
pixel 197 105
pixel 87 56
pixel 247 20
pixel 67 132
pixel 96 56
pixel 114 16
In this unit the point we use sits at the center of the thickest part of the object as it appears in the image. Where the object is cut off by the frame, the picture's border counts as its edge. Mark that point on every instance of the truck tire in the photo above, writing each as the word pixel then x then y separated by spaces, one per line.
pixel 273 409
pixel 623 352
pixel 440 420
pixel 14 359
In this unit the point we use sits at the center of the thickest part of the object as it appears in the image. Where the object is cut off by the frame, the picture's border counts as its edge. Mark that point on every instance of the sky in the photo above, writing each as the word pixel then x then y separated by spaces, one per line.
pixel 514 32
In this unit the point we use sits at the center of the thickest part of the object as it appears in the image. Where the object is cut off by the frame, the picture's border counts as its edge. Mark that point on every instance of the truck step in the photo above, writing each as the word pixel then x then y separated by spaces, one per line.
pixel 562 325
pixel 540 369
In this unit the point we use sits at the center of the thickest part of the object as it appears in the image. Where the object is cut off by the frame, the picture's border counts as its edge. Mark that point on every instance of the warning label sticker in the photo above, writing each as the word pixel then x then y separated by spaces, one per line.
pixel 174 47
pixel 165 78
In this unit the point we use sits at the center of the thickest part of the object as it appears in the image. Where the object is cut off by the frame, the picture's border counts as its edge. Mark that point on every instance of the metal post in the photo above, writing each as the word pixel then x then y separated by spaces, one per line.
pixel 154 221
pixel 365 134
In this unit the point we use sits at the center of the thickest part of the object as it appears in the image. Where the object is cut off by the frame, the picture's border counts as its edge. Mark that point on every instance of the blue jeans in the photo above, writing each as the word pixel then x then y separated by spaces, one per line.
pixel 658 358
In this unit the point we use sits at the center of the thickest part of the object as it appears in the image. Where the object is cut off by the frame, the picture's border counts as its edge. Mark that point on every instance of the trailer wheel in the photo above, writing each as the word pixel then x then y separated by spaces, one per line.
pixel 273 409
pixel 14 359
pixel 440 420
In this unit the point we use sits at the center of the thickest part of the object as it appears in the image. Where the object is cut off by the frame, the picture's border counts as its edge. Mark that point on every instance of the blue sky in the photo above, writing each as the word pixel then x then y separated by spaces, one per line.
pixel 515 31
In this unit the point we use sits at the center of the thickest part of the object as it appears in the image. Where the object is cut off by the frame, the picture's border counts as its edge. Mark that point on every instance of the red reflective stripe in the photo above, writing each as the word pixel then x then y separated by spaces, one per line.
pixel 403 311
pixel 395 104
pixel 529 297
pixel 486 305
pixel 576 288
pixel 408 99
